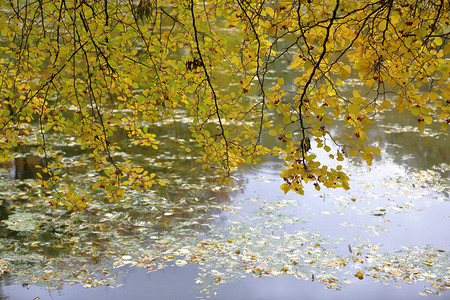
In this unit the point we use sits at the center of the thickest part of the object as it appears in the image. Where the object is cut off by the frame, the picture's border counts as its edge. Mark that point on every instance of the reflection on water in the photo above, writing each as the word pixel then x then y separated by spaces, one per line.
pixel 23 167
pixel 400 136
pixel 390 227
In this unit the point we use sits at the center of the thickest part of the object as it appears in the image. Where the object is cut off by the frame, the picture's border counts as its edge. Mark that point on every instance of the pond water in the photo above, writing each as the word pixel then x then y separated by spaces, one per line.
pixel 178 283
pixel 387 237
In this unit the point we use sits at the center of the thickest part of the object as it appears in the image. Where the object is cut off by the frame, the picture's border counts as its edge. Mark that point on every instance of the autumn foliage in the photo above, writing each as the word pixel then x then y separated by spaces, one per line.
pixel 85 68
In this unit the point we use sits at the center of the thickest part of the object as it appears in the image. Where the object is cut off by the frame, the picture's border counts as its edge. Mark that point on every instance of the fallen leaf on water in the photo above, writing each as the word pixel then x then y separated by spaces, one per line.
pixel 355 259
pixel 340 262
pixel 394 272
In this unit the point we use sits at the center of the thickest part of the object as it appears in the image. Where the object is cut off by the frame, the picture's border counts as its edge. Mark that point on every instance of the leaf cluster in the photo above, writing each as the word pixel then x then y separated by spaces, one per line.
pixel 88 69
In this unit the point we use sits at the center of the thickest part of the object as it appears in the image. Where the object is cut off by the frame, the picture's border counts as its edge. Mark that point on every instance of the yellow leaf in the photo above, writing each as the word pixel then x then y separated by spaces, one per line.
pixel 355 259
pixel 394 272
pixel 353 108
pixel 269 11
pixel 359 274
pixel 271 30
pixel 415 110
pixel 273 132
pixel 421 126
pixel 438 41
pixel 345 186
pixel 428 119
pixel 447 49
pixel 340 262
pixel 377 151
